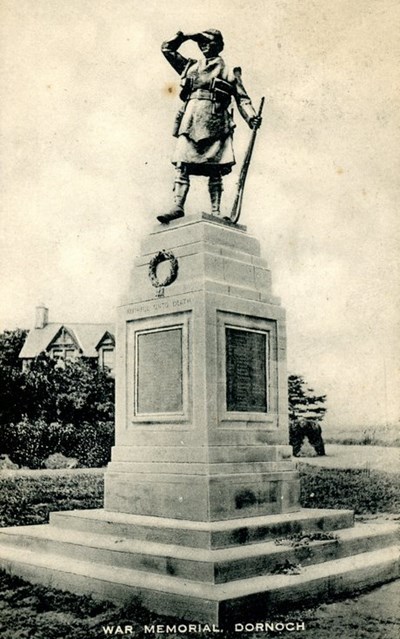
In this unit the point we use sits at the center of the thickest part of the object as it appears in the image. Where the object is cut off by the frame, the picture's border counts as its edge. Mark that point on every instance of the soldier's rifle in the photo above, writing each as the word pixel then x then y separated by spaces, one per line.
pixel 237 205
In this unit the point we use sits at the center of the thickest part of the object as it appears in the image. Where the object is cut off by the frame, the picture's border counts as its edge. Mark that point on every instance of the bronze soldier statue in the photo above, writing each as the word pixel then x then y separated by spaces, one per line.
pixel 204 124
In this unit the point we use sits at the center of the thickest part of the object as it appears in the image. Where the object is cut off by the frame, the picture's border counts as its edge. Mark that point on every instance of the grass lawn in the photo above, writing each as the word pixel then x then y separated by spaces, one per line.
pixel 35 612
pixel 388 435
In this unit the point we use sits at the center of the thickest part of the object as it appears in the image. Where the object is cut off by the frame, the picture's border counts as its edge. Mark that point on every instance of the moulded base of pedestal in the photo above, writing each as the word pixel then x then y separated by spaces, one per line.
pixel 202 498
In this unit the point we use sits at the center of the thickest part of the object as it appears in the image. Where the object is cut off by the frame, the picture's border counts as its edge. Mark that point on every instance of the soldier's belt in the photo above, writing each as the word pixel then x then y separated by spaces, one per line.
pixel 201 94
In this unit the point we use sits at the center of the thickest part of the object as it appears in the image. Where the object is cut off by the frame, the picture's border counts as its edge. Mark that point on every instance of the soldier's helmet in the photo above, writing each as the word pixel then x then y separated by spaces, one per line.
pixel 216 36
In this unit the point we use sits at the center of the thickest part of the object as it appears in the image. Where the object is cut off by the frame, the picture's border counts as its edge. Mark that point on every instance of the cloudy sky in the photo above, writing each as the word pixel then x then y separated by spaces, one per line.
pixel 86 113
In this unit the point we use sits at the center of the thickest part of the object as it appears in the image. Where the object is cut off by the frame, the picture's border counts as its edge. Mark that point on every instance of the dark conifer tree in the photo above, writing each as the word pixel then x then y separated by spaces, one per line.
pixel 306 411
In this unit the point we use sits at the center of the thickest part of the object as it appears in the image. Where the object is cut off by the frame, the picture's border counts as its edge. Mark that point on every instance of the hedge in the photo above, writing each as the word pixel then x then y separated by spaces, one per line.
pixel 28 499
pixel 29 443
pixel 364 491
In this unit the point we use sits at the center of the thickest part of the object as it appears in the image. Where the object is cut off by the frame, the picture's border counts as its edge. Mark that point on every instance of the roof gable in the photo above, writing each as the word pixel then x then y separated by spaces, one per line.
pixel 38 340
pixel 107 338
pixel 63 337
pixel 87 337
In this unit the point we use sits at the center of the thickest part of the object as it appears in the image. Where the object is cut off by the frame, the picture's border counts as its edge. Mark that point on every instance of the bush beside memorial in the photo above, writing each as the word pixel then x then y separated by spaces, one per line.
pixel 30 443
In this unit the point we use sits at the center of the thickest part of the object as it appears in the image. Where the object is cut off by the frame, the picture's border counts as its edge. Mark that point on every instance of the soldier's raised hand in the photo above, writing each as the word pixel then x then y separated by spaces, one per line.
pixel 191 36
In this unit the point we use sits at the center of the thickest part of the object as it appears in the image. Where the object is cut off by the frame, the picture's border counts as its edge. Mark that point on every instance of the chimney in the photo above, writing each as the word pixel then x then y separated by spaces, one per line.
pixel 41 316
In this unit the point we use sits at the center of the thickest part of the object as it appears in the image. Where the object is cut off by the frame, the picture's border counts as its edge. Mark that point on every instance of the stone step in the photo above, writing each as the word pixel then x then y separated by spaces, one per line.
pixel 268 557
pixel 181 561
pixel 198 534
pixel 255 597
pixel 214 566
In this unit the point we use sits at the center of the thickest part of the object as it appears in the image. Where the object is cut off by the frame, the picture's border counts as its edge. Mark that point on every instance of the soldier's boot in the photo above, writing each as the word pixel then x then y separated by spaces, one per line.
pixel 215 189
pixel 181 188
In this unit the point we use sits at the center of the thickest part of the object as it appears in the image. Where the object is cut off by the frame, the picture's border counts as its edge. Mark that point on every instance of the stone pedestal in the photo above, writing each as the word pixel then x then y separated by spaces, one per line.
pixel 201 430
pixel 201 484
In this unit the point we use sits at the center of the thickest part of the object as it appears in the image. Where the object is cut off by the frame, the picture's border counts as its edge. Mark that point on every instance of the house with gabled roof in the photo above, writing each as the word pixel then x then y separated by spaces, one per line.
pixel 64 341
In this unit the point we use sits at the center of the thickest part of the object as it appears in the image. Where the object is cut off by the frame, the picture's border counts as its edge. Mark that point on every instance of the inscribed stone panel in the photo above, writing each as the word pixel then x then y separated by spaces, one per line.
pixel 246 371
pixel 159 372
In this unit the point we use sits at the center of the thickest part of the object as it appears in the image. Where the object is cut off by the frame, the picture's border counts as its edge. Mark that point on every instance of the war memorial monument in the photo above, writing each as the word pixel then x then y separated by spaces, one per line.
pixel 202 483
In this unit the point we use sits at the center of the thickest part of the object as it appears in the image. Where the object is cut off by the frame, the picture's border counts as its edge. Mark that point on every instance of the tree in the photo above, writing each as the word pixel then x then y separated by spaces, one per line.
pixel 11 376
pixel 306 410
pixel 49 408
pixel 77 392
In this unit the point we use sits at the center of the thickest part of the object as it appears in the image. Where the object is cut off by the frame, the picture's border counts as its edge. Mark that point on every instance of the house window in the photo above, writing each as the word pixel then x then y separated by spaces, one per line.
pixel 107 358
pixel 63 346
pixel 63 353
pixel 57 353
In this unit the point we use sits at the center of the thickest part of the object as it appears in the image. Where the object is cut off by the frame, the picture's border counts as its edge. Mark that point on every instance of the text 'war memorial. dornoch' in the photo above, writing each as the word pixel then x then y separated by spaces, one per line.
pixel 202 484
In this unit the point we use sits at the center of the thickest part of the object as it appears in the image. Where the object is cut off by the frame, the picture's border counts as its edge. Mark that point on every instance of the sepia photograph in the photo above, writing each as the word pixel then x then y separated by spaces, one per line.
pixel 200 319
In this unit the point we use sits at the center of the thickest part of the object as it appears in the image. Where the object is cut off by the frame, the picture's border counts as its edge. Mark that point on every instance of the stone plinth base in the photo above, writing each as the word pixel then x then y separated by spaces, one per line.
pixel 210 572
pixel 203 498
pixel 202 483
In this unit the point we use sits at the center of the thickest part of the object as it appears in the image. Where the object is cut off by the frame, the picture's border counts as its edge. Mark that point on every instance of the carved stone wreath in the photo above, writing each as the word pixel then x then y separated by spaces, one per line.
pixel 163 256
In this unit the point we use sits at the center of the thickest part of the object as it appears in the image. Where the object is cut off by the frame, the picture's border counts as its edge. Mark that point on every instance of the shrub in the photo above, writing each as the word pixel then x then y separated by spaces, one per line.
pixel 28 499
pixel 26 442
pixel 360 490
pixel 29 443
pixel 6 463
pixel 58 460
pixel 93 444
pixel 75 393
pixel 299 430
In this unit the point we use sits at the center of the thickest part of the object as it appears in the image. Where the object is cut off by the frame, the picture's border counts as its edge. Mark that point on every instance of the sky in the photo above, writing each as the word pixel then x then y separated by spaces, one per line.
pixel 87 108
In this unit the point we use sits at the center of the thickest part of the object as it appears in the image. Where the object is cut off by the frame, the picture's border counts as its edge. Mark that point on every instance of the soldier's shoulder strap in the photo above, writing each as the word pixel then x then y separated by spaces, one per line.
pixel 191 62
